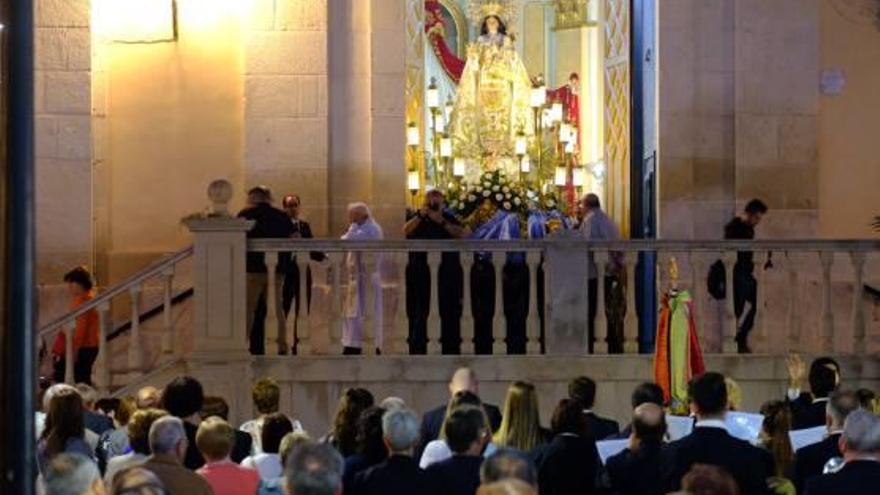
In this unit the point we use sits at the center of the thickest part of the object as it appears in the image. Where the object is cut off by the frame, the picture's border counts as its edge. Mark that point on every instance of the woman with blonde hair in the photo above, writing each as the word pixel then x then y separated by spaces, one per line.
pixel 521 425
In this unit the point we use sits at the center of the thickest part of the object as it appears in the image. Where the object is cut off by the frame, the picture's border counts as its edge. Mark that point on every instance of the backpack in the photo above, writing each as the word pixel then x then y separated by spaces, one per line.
pixel 716 283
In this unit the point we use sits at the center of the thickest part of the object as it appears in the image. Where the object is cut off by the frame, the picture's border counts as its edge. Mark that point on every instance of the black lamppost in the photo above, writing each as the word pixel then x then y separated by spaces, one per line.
pixel 18 372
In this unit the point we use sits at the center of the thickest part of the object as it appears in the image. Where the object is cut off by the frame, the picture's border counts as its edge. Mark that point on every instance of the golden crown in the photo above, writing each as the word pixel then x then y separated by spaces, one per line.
pixel 506 10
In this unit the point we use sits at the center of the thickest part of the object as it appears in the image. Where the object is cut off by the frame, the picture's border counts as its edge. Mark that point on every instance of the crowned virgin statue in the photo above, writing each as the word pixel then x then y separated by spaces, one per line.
pixel 492 103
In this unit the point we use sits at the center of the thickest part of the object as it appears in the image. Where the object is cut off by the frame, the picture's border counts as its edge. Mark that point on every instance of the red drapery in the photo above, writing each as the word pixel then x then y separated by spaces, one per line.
pixel 436 33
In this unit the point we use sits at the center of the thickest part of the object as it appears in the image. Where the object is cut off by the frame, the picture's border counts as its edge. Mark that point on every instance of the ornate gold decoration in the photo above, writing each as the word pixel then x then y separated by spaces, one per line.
pixel 492 104
pixel 506 10
pixel 414 87
pixel 571 13
pixel 617 110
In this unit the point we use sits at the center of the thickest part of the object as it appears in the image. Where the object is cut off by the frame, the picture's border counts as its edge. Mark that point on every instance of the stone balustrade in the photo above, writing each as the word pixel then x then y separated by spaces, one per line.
pixel 162 271
pixel 810 296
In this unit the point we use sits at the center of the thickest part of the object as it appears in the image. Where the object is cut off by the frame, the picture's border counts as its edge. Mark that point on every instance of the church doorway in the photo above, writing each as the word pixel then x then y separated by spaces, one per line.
pixel 532 96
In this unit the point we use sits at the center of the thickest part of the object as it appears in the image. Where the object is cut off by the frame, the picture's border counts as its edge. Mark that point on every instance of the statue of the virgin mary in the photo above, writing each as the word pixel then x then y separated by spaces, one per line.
pixel 492 104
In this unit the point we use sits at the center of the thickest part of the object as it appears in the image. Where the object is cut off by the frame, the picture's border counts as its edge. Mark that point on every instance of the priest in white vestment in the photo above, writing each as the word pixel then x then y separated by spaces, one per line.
pixel 361 279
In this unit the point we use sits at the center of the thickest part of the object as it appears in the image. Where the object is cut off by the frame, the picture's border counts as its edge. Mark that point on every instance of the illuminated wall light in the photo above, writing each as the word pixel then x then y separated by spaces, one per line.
pixel 136 21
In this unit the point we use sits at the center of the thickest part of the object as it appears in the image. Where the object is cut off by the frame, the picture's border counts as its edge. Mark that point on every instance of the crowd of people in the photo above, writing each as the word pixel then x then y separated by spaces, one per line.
pixel 178 441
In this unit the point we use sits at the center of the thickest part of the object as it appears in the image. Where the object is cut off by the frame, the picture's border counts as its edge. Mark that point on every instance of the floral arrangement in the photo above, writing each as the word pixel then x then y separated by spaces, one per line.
pixel 476 202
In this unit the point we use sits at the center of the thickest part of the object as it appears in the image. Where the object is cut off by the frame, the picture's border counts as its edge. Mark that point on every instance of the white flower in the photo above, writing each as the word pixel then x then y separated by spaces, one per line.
pixel 530 194
pixel 479 189
pixel 499 196
pixel 517 201
pixel 495 188
pixel 506 205
pixel 471 198
pixel 505 189
pixel 507 196
pixel 486 194
pixel 551 203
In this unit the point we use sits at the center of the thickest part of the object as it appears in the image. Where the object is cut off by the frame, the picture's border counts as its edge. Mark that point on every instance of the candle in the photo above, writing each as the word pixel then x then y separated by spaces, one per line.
pixel 412 180
pixel 412 135
pixel 561 176
pixel 521 145
pixel 538 97
pixel 445 147
pixel 578 177
pixel 525 165
pixel 458 166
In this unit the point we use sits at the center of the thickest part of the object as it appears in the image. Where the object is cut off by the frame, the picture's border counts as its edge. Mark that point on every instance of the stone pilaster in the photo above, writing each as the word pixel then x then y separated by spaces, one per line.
pixel 62 91
pixel 286 90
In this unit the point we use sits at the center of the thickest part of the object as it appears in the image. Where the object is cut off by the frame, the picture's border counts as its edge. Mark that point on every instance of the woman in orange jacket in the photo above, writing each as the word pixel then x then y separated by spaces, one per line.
pixel 85 335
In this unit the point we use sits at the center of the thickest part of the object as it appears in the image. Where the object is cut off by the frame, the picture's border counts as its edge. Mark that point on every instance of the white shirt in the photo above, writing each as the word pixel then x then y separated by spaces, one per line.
pixel 438 451
pixel 268 465
pixel 711 423
pixel 254 428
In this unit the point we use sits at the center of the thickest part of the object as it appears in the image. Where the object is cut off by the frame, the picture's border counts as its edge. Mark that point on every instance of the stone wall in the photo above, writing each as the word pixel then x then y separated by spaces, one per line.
pixel 62 90
pixel 777 105
pixel 311 387
pixel 286 86
pixel 849 164
pixel 738 114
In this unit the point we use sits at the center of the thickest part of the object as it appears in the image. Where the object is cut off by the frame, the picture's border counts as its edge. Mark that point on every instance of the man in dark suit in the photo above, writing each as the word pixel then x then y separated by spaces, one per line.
pixel 710 443
pixel 638 469
pixel 432 421
pixel 583 390
pixel 809 461
pixel 269 223
pixel 808 410
pixel 568 465
pixel 860 444
pixel 400 473
pixel 466 434
pixel 645 393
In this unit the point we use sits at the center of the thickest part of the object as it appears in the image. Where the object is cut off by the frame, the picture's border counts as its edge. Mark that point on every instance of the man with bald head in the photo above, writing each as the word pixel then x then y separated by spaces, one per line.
pixel 464 379
pixel 147 397
pixel 638 469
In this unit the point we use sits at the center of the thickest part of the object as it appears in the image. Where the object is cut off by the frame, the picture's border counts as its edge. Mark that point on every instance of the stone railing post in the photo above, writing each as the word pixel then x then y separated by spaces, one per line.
pixel 220 357
pixel 220 285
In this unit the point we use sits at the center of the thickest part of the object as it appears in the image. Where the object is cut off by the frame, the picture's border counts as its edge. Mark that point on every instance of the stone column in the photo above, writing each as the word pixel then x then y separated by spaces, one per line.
pixel 350 151
pixel 63 147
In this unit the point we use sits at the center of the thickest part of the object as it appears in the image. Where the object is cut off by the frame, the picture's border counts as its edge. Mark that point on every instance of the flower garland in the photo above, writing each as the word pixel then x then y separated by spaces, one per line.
pixel 475 202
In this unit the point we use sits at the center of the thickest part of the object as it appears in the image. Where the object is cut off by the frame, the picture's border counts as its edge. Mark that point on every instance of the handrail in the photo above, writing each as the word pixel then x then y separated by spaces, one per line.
pixel 469 245
pixel 151 271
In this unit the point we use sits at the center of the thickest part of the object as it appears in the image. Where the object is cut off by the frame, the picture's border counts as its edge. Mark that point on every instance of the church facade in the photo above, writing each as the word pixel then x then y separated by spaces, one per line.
pixel 139 109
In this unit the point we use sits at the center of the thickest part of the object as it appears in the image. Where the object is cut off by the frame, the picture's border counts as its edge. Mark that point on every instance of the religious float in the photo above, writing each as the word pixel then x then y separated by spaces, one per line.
pixel 502 146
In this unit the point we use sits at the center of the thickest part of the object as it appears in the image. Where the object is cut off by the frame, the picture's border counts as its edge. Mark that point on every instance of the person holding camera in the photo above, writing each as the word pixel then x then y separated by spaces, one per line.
pixel 433 222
